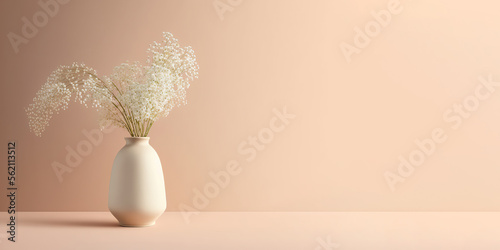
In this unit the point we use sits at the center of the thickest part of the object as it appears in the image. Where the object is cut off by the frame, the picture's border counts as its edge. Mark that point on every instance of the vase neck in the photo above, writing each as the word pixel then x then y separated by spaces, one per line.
pixel 136 140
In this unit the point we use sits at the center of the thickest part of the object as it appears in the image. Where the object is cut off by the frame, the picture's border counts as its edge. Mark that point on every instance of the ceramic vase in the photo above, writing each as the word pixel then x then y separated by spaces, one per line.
pixel 137 189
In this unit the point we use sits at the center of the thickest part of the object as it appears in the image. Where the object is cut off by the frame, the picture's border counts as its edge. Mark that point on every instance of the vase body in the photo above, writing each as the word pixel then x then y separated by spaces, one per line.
pixel 137 189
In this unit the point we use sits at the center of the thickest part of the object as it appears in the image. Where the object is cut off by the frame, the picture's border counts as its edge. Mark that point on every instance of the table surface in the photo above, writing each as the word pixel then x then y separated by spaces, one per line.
pixel 259 230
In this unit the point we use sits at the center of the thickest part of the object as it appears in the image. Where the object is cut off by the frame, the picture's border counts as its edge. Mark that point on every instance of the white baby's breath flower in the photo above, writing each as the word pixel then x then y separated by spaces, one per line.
pixel 132 97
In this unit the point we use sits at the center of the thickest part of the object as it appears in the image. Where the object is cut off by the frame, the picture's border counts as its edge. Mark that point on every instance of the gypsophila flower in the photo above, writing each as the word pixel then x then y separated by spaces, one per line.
pixel 132 97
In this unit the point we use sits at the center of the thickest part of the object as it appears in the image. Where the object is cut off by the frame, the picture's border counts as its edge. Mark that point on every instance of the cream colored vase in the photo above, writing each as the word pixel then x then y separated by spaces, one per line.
pixel 137 190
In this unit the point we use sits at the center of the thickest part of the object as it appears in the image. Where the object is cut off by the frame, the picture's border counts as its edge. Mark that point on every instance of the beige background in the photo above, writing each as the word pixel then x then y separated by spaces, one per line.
pixel 353 120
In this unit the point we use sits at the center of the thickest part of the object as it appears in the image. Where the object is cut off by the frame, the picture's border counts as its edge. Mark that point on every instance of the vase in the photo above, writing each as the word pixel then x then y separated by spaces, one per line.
pixel 137 190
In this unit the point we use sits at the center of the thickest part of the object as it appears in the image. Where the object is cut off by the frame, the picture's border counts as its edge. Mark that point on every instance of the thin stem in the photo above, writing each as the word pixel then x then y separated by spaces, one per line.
pixel 124 114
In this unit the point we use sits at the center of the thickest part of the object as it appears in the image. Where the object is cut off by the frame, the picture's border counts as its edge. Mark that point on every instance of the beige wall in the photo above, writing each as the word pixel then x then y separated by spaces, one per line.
pixel 352 119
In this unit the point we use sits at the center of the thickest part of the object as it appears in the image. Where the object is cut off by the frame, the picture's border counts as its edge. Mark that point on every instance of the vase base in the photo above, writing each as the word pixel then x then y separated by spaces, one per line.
pixel 135 218
pixel 138 225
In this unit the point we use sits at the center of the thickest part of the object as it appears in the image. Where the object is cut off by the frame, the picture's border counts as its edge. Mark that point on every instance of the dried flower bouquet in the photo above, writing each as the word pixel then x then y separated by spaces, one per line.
pixel 132 97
